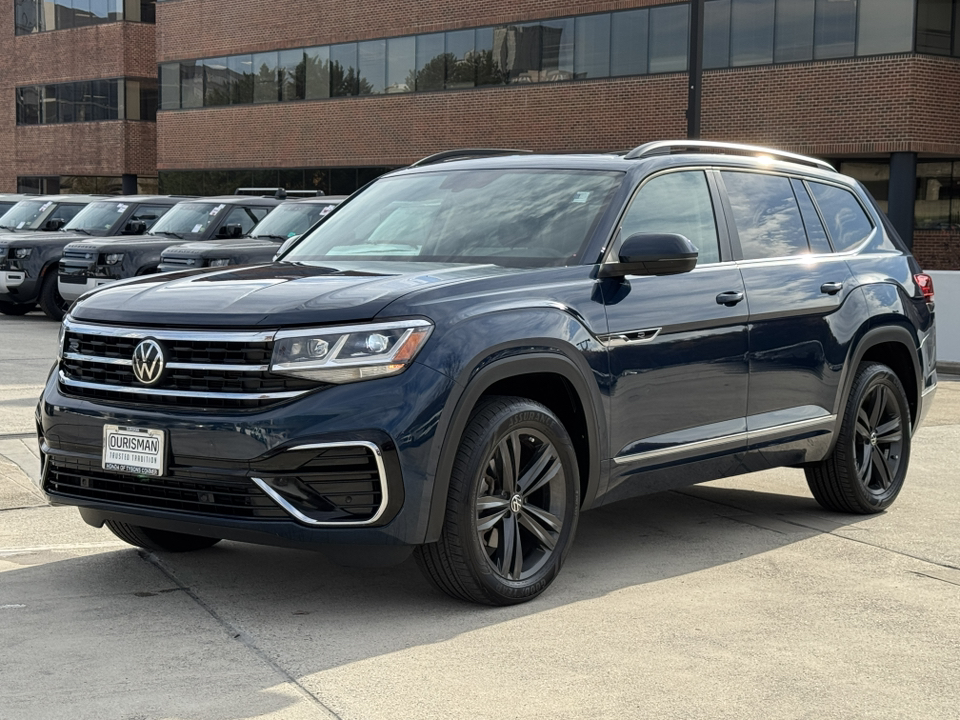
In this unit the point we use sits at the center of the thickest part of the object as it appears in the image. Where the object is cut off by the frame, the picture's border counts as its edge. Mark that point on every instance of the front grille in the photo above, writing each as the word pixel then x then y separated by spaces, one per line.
pixel 70 254
pixel 178 261
pixel 209 495
pixel 213 370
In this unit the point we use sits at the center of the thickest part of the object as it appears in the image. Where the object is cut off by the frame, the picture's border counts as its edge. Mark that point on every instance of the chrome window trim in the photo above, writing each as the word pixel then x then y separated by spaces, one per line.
pixel 238 336
pixel 747 436
pixel 130 390
pixel 296 514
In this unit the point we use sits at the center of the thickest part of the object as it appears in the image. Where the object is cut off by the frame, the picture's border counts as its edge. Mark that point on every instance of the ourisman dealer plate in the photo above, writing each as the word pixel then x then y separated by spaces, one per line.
pixel 138 451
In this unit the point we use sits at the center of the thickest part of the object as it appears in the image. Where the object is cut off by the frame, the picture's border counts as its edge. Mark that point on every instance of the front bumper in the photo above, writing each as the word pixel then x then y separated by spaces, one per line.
pixel 72 287
pixel 219 453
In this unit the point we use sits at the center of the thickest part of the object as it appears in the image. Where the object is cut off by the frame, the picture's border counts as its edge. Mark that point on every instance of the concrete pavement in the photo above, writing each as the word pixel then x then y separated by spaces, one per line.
pixel 736 599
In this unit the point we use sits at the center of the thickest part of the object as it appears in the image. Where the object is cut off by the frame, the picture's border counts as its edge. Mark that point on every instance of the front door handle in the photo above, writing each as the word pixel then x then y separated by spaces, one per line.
pixel 831 288
pixel 729 298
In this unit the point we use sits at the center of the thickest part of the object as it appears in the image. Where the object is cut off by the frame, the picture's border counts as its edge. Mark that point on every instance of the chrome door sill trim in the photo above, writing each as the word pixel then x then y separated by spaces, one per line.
pixel 747 436
pixel 296 514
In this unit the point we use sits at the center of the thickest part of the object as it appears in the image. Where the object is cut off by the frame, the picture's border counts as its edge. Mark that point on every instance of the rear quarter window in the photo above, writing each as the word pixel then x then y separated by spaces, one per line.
pixel 846 220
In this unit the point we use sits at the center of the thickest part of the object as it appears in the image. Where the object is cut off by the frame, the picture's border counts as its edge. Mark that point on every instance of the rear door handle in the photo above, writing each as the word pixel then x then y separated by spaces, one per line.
pixel 729 298
pixel 831 288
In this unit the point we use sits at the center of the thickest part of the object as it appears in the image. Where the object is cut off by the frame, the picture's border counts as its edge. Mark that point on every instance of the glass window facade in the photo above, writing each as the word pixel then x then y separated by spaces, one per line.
pixel 33 16
pixel 87 101
pixel 626 42
pixel 938 195
pixel 330 181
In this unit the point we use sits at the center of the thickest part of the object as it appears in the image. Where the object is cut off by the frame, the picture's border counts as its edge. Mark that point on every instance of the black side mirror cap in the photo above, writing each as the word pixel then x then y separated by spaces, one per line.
pixel 135 227
pixel 231 230
pixel 54 224
pixel 653 254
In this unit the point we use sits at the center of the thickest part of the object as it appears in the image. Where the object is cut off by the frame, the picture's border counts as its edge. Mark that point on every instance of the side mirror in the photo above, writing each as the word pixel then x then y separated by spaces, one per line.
pixel 287 244
pixel 54 224
pixel 653 254
pixel 135 227
pixel 231 230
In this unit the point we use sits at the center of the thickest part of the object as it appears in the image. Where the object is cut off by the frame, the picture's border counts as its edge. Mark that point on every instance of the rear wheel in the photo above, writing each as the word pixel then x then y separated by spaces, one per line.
pixel 866 470
pixel 8 308
pixel 51 301
pixel 512 506
pixel 159 540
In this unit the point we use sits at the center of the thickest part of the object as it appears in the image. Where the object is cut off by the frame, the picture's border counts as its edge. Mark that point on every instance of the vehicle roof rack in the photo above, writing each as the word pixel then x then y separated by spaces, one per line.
pixel 279 193
pixel 669 147
pixel 464 153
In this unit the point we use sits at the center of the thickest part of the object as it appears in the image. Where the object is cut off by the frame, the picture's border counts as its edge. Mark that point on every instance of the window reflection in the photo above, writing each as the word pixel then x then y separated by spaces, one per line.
pixel 592 49
pixel 33 16
pixel 431 64
pixel 794 30
pixel 668 38
pixel 835 30
pixel 344 76
pixel 266 87
pixel 372 59
pixel 401 64
pixel 628 42
pixel 316 72
pixel 557 59
pixel 716 34
pixel 291 75
pixel 461 69
pixel 87 101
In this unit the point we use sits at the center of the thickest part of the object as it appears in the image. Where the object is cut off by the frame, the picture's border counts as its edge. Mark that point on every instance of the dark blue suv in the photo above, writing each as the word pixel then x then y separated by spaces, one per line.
pixel 466 354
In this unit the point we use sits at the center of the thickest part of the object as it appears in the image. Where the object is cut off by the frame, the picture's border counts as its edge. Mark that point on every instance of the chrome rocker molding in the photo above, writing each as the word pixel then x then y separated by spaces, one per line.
pixel 747 436
pixel 296 514
pixel 130 390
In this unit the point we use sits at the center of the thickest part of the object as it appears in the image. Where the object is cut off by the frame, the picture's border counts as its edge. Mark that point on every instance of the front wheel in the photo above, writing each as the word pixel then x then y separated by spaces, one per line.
pixel 159 540
pixel 512 506
pixel 51 301
pixel 865 472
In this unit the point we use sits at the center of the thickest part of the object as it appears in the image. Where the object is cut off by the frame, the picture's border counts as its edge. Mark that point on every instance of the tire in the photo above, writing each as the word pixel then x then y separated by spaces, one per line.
pixel 865 472
pixel 7 308
pixel 159 540
pixel 51 302
pixel 503 542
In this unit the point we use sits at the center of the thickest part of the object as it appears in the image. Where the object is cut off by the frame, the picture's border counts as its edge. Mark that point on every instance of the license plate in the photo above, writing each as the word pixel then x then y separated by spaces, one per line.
pixel 137 451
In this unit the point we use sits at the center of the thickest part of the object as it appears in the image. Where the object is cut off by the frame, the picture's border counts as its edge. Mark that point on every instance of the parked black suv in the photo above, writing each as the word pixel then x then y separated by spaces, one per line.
pixel 287 220
pixel 467 354
pixel 30 246
pixel 92 263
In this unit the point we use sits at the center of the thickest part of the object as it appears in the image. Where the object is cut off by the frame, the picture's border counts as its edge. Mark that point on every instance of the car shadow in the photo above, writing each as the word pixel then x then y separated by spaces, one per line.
pixel 306 613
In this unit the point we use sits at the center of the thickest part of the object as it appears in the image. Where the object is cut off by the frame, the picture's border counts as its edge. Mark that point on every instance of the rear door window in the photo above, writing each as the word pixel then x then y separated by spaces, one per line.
pixel 245 217
pixel 846 220
pixel 677 202
pixel 766 215
pixel 66 212
pixel 149 214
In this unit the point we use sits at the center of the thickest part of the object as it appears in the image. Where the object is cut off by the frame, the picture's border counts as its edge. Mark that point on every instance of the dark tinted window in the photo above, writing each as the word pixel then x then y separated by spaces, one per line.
pixel 846 220
pixel 265 77
pixel 591 51
pixel 794 31
pixel 676 203
pixel 401 64
pixel 149 214
pixel 835 32
pixel 372 64
pixel 766 215
pixel 811 221
pixel 629 42
pixel 669 33
pixel 716 34
pixel 751 35
pixel 245 217
pixel 66 212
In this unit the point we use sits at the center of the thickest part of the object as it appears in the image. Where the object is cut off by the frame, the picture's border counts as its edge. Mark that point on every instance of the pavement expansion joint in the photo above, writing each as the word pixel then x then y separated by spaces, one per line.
pixel 237 634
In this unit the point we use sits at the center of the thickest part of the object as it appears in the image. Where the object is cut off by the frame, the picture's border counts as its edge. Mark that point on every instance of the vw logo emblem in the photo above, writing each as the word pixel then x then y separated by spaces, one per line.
pixel 516 504
pixel 148 362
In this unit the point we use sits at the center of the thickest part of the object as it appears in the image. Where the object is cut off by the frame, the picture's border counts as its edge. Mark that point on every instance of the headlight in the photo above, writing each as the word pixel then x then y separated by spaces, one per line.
pixel 112 258
pixel 347 354
pixel 218 262
pixel 21 253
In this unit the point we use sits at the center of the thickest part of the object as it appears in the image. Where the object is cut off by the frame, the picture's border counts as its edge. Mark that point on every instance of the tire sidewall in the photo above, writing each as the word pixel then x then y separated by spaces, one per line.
pixel 520 414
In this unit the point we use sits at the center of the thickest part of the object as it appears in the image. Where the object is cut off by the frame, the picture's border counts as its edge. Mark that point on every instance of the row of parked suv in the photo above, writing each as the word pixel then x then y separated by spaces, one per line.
pixel 55 248
pixel 464 355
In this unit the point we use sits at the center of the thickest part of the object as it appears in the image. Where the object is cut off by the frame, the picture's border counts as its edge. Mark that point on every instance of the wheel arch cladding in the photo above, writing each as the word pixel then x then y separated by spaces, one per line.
pixel 551 378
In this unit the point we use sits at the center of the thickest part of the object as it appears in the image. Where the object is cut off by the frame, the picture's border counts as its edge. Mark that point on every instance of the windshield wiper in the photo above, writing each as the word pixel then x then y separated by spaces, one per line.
pixel 8 227
pixel 275 237
pixel 76 230
pixel 178 236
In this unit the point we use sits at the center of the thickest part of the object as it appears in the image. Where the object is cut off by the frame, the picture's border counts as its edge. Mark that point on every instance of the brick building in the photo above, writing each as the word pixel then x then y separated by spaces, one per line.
pixel 322 94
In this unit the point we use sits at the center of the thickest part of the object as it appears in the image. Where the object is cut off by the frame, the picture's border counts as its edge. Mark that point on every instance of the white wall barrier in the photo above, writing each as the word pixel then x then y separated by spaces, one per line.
pixel 946 288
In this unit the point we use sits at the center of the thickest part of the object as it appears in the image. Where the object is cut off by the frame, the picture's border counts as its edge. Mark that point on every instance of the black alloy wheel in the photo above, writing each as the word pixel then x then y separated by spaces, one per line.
pixel 512 506
pixel 520 504
pixel 868 465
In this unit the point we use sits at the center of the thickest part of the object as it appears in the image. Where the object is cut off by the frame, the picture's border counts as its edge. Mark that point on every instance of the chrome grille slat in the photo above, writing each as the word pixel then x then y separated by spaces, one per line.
pixel 202 368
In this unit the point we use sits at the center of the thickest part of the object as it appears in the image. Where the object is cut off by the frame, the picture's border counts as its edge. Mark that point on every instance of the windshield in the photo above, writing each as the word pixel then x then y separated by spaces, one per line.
pixel 97 218
pixel 188 220
pixel 26 215
pixel 291 219
pixel 528 218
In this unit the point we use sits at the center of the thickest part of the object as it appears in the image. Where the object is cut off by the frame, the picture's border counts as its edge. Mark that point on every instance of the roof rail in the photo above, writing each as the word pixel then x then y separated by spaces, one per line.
pixel 277 192
pixel 464 153
pixel 668 147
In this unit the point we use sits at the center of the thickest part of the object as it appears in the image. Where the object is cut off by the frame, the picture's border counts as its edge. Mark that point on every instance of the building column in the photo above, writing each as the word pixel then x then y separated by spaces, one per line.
pixel 903 194
pixel 129 184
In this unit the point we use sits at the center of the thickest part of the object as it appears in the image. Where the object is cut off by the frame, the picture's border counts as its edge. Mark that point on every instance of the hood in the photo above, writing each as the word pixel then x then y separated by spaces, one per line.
pixel 112 244
pixel 216 248
pixel 279 294
pixel 42 239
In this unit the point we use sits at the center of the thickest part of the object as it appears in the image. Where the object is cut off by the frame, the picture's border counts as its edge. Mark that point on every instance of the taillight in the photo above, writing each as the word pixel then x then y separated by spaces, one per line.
pixel 925 283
